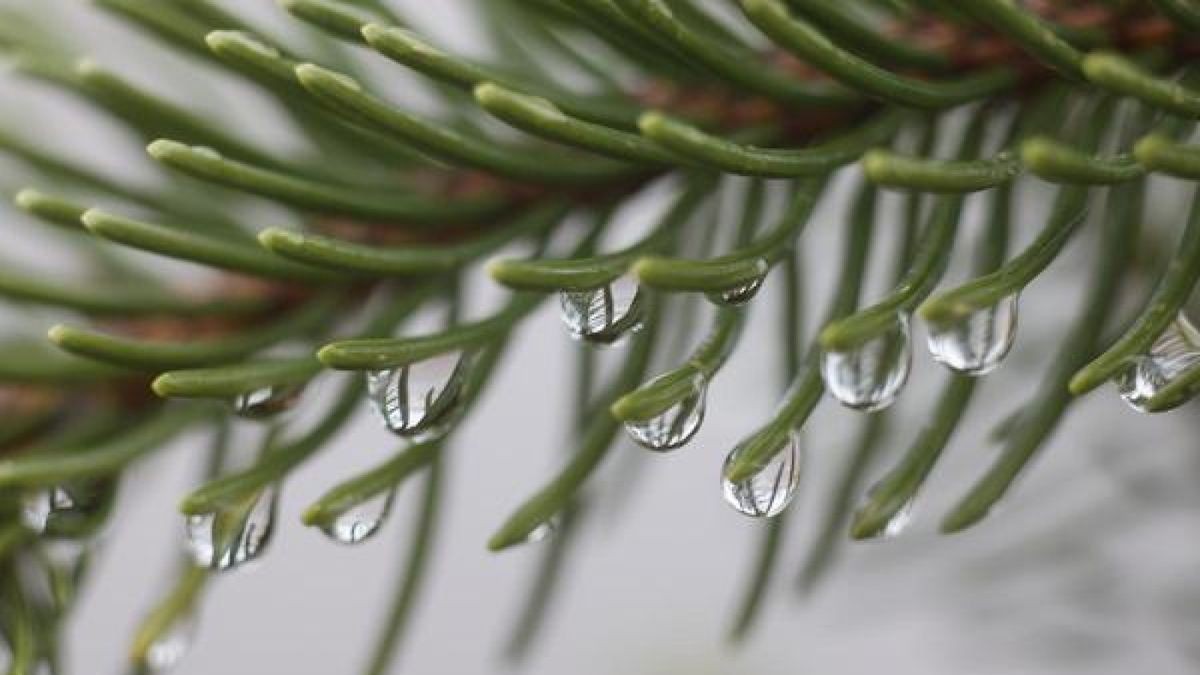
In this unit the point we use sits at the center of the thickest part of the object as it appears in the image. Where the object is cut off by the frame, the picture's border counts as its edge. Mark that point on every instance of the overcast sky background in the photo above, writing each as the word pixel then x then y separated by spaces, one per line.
pixel 1089 567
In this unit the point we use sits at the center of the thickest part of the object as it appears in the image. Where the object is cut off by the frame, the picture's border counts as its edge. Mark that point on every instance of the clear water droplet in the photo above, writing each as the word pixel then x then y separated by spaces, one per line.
pixel 899 521
pixel 674 427
pixel 1173 353
pixel 42 506
pixel 361 521
pixel 541 532
pixel 739 294
pixel 267 402
pixel 412 399
pixel 603 315
pixel 896 523
pixel 871 375
pixel 66 510
pixel 978 342
pixel 172 644
pixel 768 492
pixel 235 535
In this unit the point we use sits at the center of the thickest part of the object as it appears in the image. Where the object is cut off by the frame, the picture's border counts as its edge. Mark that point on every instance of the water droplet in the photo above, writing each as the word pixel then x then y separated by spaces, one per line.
pixel 897 522
pixel 739 294
pixel 541 532
pixel 67 510
pixel 169 648
pixel 675 426
pixel 768 492
pixel 360 521
pixel 603 315
pixel 43 505
pixel 1172 354
pixel 871 375
pixel 977 343
pixel 227 538
pixel 411 399
pixel 267 402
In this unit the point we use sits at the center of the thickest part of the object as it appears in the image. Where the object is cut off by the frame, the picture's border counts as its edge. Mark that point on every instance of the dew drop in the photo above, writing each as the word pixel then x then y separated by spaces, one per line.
pixel 412 399
pixel 43 506
pixel 976 343
pixel 71 510
pixel 895 525
pixel 899 521
pixel 266 402
pixel 361 521
pixel 768 492
pixel 739 294
pixel 226 539
pixel 1173 353
pixel 169 648
pixel 541 532
pixel 674 427
pixel 603 315
pixel 871 375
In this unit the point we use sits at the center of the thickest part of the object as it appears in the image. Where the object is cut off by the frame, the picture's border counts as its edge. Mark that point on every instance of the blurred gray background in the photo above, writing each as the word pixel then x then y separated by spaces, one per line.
pixel 1089 567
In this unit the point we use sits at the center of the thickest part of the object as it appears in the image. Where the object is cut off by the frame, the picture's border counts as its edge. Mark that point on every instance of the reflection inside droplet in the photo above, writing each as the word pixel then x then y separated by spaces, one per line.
pixel 870 376
pixel 976 343
pixel 1176 351
pixel 414 397
pixel 68 510
pixel 768 492
pixel 673 427
pixel 603 315
pixel 232 536
pixel 361 521
pixel 267 402
pixel 738 295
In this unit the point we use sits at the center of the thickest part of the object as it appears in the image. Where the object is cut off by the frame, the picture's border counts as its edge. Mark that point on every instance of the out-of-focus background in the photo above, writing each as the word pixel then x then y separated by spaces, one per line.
pixel 1090 566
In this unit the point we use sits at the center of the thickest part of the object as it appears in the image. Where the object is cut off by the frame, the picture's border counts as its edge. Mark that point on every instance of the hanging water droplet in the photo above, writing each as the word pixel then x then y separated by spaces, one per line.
pixel 234 535
pixel 866 525
pixel 739 294
pixel 267 402
pixel 411 399
pixel 871 375
pixel 899 521
pixel 541 532
pixel 1176 351
pixel 603 315
pixel 673 427
pixel 976 343
pixel 172 644
pixel 361 521
pixel 73 510
pixel 43 505
pixel 768 492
